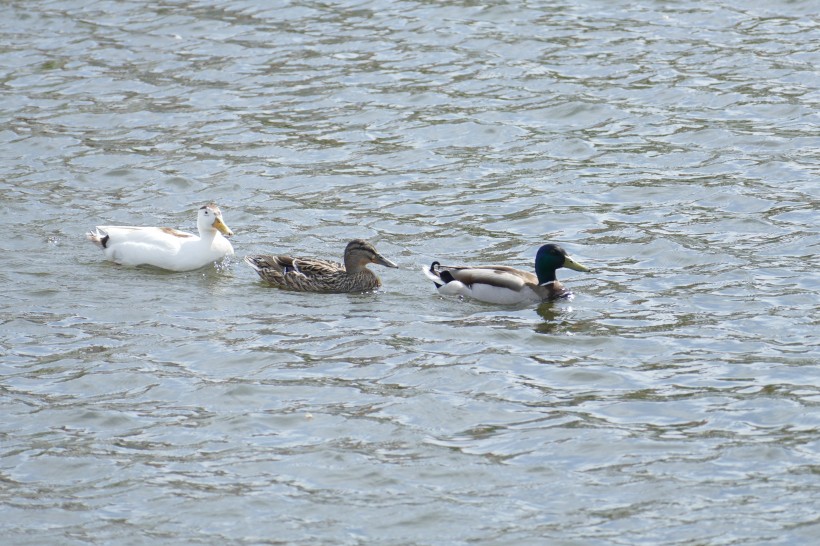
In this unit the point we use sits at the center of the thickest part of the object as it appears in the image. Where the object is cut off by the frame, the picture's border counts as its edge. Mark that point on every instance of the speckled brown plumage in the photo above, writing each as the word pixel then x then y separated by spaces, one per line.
pixel 315 275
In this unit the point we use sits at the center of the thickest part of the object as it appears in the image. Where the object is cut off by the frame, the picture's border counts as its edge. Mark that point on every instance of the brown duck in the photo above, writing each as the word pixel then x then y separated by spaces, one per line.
pixel 314 275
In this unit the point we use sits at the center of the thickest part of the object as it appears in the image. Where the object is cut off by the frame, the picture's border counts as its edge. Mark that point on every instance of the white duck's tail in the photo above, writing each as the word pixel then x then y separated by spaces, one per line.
pixel 98 237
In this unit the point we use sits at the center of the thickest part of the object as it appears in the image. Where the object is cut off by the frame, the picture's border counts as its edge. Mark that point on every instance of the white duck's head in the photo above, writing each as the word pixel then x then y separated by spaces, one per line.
pixel 210 218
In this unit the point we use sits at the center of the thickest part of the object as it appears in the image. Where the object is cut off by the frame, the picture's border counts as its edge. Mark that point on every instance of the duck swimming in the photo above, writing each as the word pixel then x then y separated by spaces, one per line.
pixel 506 285
pixel 167 248
pixel 314 275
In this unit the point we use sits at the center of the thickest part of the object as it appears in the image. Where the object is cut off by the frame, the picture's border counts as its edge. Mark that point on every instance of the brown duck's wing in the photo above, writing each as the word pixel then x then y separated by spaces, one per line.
pixel 285 264
pixel 500 276
pixel 269 268
pixel 310 274
pixel 339 282
pixel 265 262
pixel 312 267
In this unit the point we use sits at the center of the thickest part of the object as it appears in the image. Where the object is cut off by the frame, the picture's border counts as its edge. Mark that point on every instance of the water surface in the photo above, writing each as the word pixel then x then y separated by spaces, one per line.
pixel 672 147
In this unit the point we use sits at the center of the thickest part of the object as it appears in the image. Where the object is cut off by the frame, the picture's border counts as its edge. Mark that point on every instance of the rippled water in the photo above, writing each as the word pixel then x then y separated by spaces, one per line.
pixel 671 146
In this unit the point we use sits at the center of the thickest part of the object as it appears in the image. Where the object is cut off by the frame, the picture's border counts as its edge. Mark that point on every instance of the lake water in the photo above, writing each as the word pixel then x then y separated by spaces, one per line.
pixel 671 146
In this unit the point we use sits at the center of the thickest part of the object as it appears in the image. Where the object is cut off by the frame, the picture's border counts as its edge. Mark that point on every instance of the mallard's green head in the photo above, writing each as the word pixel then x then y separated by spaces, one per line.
pixel 551 257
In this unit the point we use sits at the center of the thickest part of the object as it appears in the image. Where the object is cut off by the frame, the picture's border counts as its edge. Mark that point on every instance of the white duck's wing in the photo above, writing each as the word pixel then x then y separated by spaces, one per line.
pixel 160 237
pixel 160 247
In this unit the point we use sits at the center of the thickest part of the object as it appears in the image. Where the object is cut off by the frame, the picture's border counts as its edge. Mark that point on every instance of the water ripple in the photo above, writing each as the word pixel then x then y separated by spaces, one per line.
pixel 672 148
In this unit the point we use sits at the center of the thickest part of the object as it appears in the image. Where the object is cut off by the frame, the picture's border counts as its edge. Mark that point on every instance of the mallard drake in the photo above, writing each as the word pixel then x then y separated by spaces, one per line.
pixel 506 285
pixel 166 248
pixel 313 275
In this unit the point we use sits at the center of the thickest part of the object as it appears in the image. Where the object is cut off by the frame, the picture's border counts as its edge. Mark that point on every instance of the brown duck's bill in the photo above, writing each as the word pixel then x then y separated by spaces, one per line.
pixel 220 225
pixel 381 260
pixel 572 264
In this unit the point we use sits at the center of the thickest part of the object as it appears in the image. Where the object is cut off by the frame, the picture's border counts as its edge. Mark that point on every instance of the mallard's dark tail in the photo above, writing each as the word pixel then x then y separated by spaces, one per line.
pixel 433 274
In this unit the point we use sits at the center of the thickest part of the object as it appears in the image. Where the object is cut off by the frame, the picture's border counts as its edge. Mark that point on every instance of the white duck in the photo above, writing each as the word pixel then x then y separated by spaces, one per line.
pixel 164 247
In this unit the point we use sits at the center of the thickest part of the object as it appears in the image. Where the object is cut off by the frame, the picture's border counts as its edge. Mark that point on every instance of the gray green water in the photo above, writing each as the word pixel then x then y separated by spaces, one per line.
pixel 671 146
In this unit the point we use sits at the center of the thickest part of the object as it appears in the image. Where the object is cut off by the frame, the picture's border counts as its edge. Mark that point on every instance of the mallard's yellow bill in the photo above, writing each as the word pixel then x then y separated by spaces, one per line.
pixel 572 264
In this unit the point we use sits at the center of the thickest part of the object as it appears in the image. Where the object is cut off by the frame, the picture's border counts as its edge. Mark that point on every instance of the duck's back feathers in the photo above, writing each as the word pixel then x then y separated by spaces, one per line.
pixel 309 274
pixel 163 238
pixel 315 275
pixel 492 284
pixel 503 284
pixel 499 276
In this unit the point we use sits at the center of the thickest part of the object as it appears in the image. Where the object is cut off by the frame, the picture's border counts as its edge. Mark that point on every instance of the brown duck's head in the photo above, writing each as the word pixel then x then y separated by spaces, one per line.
pixel 359 253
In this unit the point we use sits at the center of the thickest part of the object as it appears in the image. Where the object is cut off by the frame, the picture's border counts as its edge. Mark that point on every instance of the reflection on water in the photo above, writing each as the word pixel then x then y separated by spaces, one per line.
pixel 554 315
pixel 671 148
